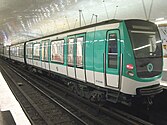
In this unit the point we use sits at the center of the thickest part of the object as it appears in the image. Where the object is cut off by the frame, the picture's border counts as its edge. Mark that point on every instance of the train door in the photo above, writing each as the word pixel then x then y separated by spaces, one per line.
pixel 112 71
pixel 70 57
pixel 36 54
pixel 79 61
pixel 44 54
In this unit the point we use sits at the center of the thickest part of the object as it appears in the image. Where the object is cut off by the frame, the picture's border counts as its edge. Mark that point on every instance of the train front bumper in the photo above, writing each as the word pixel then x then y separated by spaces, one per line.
pixel 149 90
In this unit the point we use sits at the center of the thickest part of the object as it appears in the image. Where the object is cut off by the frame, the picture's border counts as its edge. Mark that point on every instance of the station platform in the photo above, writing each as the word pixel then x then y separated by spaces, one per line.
pixel 11 112
pixel 164 80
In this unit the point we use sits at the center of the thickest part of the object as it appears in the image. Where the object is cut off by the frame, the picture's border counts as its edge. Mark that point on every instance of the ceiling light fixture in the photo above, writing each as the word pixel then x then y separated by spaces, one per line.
pixel 159 19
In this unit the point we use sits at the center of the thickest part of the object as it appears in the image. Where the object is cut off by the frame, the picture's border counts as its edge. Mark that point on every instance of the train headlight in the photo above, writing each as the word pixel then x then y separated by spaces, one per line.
pixel 130 73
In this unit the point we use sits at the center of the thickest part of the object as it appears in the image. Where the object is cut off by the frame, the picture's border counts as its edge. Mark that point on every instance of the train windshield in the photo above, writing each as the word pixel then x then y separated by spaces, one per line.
pixel 145 44
pixel 147 47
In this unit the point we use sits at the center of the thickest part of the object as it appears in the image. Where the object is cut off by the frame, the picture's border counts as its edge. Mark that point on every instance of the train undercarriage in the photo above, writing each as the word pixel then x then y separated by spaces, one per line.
pixel 98 94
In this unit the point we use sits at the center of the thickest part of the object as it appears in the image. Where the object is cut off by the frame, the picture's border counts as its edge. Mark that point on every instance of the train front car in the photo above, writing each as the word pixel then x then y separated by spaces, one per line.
pixel 142 60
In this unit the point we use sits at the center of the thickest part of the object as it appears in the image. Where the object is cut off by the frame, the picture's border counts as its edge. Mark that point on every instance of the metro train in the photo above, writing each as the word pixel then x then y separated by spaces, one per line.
pixel 115 60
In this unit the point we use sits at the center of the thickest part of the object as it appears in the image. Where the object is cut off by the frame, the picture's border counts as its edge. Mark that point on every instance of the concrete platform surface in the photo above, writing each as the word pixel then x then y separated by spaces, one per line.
pixel 9 103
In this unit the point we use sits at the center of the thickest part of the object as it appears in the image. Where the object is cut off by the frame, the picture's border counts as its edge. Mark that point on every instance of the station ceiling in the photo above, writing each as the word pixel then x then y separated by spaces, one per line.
pixel 22 20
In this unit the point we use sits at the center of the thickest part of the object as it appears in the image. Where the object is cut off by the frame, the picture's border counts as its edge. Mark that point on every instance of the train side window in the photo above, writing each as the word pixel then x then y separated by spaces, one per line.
pixel 70 52
pixel 6 50
pixel 22 50
pixel 46 51
pixel 29 50
pixel 57 51
pixel 36 52
pixel 43 51
pixel 112 50
pixel 17 51
pixel 79 59
pixel 12 51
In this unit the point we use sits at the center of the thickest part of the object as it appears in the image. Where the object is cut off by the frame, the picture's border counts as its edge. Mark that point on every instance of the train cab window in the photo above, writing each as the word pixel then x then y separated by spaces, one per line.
pixel 70 52
pixel 57 51
pixel 79 59
pixel 29 50
pixel 112 50
pixel 36 51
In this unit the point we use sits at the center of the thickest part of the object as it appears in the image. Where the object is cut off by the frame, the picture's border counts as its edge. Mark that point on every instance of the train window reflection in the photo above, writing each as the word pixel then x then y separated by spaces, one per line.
pixel 70 51
pixel 36 52
pixel 79 58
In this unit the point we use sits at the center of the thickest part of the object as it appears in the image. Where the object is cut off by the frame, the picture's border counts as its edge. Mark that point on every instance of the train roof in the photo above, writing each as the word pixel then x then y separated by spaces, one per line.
pixel 80 28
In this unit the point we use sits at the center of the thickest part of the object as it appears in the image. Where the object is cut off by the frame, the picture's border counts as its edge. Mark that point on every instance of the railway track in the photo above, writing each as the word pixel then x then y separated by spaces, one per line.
pixel 38 106
pixel 82 108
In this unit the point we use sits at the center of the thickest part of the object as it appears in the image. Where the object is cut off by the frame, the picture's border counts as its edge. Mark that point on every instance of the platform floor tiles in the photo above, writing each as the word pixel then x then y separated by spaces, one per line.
pixel 9 104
